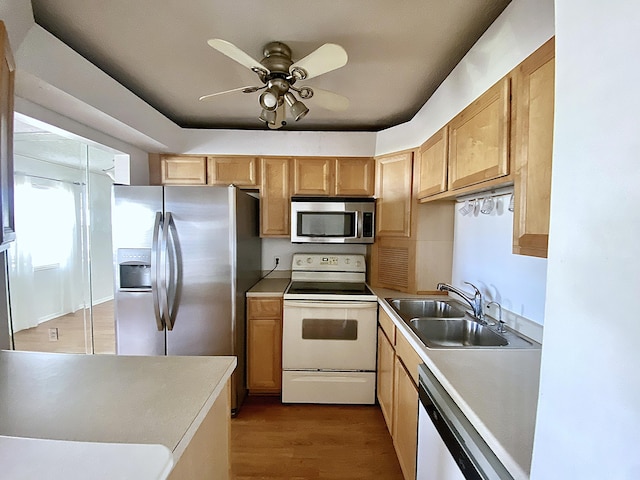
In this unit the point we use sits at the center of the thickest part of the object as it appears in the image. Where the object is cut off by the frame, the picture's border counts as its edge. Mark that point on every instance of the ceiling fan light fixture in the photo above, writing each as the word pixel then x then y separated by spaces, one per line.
pixel 298 109
pixel 268 116
pixel 269 99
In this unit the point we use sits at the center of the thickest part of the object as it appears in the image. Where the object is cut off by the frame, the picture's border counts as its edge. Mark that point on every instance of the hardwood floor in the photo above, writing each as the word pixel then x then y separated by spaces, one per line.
pixel 73 337
pixel 274 441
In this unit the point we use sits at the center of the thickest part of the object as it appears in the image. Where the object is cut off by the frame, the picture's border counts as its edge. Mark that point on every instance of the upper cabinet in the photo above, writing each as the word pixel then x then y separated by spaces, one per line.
pixel 240 171
pixel 532 149
pixel 433 164
pixel 479 139
pixel 394 175
pixel 355 176
pixel 313 176
pixel 275 193
pixel 183 170
pixel 333 176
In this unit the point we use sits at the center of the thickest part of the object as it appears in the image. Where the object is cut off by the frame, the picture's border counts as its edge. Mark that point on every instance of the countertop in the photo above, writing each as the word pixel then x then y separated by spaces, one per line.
pixel 107 398
pixel 269 287
pixel 496 389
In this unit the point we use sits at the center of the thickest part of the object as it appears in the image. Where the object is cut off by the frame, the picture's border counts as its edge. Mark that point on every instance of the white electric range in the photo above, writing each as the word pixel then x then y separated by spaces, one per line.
pixel 329 332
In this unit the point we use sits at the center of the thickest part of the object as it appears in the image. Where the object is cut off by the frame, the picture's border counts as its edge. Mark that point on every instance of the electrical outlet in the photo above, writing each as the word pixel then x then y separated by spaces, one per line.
pixel 276 260
pixel 53 334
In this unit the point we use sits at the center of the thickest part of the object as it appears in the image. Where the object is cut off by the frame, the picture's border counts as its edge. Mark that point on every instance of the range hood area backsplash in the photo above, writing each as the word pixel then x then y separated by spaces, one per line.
pixel 284 249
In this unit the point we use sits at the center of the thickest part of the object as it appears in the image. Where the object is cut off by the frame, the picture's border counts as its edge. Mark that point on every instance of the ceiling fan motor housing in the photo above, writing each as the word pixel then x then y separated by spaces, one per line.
pixel 277 60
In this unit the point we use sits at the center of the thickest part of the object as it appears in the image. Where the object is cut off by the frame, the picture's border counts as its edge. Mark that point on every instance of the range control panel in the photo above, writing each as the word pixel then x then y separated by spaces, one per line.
pixel 322 262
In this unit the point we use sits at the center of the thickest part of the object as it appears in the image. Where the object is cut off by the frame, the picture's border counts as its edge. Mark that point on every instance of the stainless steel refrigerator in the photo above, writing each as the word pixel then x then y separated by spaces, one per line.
pixel 184 257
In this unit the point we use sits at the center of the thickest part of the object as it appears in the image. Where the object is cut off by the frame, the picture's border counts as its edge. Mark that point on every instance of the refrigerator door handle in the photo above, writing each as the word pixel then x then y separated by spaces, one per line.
pixel 167 264
pixel 155 264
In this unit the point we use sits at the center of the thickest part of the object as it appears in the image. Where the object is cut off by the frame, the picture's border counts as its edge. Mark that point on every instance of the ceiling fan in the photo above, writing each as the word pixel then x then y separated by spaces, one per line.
pixel 279 73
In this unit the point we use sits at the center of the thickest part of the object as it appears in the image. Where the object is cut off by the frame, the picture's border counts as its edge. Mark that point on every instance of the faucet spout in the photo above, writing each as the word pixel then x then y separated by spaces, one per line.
pixel 474 301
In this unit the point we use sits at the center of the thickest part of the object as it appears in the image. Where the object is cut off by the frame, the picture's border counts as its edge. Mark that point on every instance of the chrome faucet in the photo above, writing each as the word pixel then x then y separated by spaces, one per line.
pixel 501 328
pixel 475 302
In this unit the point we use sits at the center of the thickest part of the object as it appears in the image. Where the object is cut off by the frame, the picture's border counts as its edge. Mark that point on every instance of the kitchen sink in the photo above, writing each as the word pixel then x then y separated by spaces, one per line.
pixel 455 333
pixel 409 308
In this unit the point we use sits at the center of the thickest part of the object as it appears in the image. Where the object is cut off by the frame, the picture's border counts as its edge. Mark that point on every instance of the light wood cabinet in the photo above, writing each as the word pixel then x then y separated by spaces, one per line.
pixel 344 176
pixel 386 361
pixel 394 178
pixel 432 164
pixel 533 86
pixel 405 420
pixel 264 345
pixel 479 139
pixel 355 176
pixel 275 193
pixel 237 170
pixel 183 170
pixel 313 176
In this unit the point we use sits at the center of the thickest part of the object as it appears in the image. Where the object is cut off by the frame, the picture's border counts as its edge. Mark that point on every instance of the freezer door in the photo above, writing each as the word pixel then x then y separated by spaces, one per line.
pixel 198 271
pixel 134 213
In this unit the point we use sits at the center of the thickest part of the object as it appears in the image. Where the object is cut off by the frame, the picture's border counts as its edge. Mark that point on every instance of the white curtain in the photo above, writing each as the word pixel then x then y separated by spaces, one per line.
pixel 45 261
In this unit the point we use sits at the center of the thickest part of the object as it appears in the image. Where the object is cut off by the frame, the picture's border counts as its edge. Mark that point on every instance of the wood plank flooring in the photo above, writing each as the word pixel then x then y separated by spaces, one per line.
pixel 274 441
pixel 73 337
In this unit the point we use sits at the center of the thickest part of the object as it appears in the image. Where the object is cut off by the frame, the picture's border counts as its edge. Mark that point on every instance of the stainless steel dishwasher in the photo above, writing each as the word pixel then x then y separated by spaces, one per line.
pixel 449 447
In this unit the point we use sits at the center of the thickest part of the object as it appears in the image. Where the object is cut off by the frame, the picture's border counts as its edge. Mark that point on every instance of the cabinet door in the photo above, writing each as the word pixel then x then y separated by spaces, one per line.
pixel 183 170
pixel 275 211
pixel 264 345
pixel 405 420
pixel 313 176
pixel 355 176
pixel 386 358
pixel 393 208
pixel 240 171
pixel 479 139
pixel 533 149
pixel 432 164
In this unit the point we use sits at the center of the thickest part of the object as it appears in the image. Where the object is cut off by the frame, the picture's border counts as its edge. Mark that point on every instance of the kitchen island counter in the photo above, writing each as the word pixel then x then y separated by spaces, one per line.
pixel 166 401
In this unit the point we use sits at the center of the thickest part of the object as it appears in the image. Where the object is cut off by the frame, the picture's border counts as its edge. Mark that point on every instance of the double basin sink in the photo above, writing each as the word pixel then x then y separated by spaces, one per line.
pixel 446 324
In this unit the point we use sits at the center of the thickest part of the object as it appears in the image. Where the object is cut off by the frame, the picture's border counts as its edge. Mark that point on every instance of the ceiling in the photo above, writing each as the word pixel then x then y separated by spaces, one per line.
pixel 399 52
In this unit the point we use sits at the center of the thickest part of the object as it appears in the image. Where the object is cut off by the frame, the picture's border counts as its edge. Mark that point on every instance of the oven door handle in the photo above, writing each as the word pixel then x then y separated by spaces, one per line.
pixel 329 304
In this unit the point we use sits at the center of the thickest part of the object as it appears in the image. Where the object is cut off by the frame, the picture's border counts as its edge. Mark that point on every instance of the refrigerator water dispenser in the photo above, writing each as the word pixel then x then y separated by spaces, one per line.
pixel 134 269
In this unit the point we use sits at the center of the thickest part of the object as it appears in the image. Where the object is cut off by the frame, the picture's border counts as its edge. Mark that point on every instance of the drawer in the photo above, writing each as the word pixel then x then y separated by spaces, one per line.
pixel 387 325
pixel 270 307
pixel 409 357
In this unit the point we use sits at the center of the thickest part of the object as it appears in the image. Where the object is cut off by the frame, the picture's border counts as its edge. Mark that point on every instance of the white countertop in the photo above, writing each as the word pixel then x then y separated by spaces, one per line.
pixel 109 399
pixel 497 390
pixel 30 458
pixel 269 287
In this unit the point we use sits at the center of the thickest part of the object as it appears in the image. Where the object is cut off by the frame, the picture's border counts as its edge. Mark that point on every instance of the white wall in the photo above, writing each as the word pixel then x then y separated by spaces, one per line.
pixel 482 255
pixel 588 423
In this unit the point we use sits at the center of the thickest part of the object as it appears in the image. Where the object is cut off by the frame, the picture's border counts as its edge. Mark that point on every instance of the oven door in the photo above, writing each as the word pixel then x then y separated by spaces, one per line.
pixel 326 335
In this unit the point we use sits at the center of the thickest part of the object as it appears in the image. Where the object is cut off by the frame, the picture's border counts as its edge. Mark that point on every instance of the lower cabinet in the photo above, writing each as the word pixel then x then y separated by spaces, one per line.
pixel 264 345
pixel 398 392
pixel 386 361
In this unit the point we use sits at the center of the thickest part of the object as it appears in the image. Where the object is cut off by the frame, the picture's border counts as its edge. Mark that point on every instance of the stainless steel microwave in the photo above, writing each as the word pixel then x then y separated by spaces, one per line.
pixel 332 220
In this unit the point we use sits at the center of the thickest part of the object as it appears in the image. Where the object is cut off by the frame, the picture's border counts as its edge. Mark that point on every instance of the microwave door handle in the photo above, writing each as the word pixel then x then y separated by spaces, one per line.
pixel 359 224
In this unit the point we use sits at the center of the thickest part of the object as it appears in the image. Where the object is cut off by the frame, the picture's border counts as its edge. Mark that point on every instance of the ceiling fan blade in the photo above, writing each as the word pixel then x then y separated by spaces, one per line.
pixel 324 59
pixel 233 52
pixel 280 118
pixel 248 89
pixel 329 100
